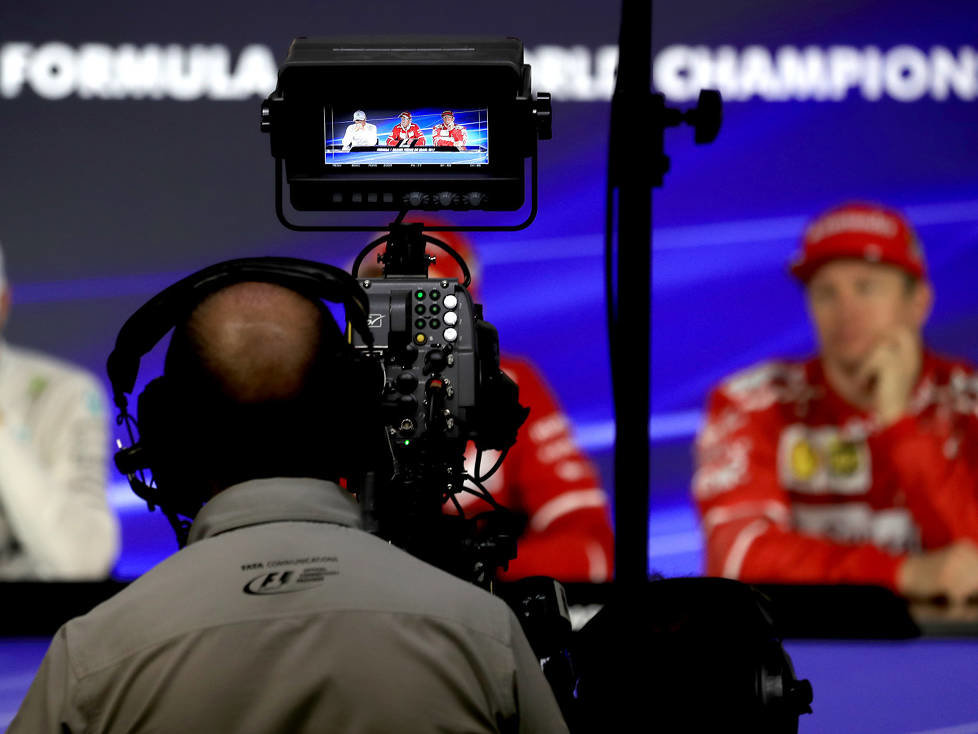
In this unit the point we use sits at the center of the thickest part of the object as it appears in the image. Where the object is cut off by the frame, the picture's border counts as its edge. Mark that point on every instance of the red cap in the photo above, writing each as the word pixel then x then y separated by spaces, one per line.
pixel 859 231
pixel 405 114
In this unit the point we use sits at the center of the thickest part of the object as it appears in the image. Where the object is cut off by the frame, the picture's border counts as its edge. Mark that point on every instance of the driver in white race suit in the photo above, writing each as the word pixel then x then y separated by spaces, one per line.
pixel 360 133
pixel 55 521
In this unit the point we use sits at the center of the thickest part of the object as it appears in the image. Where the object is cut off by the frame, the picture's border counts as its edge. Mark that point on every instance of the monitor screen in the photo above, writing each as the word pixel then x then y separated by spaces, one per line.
pixel 427 136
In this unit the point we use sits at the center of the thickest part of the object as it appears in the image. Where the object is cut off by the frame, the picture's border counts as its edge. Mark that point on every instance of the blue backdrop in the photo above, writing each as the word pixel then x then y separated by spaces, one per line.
pixel 131 155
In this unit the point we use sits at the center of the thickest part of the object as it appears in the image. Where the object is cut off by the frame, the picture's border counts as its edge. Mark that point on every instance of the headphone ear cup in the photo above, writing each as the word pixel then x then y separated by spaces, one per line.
pixel 142 455
pixel 165 423
pixel 152 415
pixel 155 410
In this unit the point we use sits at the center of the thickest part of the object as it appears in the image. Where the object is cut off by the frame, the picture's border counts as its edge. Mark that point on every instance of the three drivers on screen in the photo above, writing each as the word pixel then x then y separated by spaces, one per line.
pixel 407 134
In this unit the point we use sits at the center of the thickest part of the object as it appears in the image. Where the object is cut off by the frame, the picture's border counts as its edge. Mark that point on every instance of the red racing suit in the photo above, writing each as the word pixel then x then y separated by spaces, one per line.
pixel 795 485
pixel 443 136
pixel 547 477
pixel 406 138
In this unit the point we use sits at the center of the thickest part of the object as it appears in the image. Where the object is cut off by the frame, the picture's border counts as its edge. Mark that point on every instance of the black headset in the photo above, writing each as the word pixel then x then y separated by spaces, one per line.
pixel 157 416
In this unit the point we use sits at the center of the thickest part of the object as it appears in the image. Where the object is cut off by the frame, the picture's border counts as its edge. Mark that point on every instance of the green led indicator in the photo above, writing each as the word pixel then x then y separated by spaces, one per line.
pixel 419 309
pixel 435 309
pixel 419 323
pixel 419 295
pixel 407 441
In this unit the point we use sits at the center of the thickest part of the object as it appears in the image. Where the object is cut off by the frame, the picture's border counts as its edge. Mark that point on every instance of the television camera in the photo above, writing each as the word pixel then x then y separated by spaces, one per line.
pixel 366 125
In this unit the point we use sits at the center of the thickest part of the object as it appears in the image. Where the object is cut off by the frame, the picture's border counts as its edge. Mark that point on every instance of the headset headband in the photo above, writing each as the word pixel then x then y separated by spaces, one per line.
pixel 148 325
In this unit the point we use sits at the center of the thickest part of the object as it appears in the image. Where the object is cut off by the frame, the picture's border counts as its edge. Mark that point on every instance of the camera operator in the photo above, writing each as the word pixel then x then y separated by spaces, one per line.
pixel 280 614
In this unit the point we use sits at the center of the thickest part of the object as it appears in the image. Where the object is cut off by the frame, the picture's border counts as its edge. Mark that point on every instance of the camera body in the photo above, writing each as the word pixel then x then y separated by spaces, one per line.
pixel 426 330
pixel 442 388
pixel 363 124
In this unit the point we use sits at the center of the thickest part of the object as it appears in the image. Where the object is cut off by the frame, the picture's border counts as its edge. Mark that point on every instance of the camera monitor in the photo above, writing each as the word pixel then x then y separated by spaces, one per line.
pixel 446 138
pixel 407 123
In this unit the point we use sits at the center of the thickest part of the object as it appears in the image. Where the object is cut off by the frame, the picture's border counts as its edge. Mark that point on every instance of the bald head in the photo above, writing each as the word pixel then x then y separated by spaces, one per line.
pixel 254 370
pixel 256 342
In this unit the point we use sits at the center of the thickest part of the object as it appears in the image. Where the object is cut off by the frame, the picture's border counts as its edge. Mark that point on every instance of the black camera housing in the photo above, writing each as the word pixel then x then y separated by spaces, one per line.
pixel 426 330
pixel 323 81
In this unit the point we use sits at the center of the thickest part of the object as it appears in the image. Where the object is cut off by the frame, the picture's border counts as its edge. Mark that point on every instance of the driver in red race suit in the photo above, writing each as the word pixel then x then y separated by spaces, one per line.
pixel 546 476
pixel 448 133
pixel 406 134
pixel 859 465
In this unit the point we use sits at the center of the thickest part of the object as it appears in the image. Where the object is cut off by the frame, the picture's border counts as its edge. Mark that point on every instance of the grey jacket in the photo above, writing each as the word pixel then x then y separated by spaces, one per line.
pixel 281 616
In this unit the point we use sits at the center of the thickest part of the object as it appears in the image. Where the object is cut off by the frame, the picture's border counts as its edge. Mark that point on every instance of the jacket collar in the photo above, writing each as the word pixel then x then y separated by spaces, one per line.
pixel 281 499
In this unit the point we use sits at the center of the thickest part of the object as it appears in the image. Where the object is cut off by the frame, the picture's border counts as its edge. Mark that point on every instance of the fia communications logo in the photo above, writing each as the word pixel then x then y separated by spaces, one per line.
pixel 287 576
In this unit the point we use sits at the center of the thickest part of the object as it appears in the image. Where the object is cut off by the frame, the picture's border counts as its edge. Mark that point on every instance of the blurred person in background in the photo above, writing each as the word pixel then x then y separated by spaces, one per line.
pixel 859 465
pixel 546 477
pixel 55 521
